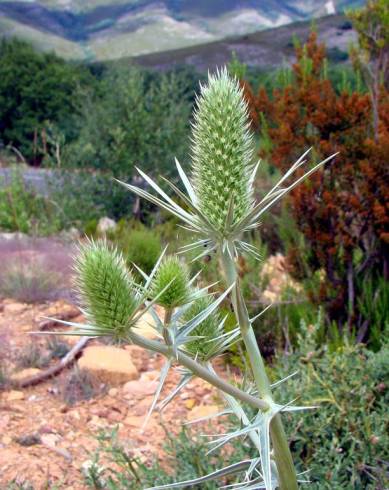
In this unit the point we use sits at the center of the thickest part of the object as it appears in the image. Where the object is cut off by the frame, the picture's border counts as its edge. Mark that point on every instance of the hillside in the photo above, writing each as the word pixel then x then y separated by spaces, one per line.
pixel 110 29
pixel 264 49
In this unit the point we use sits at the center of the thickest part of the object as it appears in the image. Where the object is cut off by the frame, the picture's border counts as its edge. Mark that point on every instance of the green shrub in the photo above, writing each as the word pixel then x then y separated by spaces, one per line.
pixel 132 474
pixel 344 442
pixel 140 246
pixel 24 211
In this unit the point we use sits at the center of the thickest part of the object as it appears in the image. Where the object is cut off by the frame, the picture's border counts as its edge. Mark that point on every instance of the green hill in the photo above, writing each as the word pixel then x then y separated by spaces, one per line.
pixel 111 29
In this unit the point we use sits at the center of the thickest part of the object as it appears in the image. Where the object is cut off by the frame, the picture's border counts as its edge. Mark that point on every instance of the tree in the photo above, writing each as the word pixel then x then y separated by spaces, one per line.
pixel 371 55
pixel 35 88
pixel 132 120
pixel 342 211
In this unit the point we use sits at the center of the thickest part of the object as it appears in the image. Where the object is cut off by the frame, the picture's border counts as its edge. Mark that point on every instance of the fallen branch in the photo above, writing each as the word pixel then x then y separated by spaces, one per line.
pixel 54 370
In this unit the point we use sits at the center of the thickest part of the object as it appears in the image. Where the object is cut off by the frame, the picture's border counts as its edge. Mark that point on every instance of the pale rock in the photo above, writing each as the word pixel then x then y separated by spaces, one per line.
pixel 108 364
pixel 105 225
pixel 50 440
pixel 25 373
pixel 18 235
pixel 14 395
pixel 142 387
pixel 14 308
pixel 203 411
pixel 6 440
pixel 113 392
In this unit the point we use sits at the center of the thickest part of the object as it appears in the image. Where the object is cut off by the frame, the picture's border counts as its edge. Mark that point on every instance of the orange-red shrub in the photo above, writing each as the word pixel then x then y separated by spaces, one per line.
pixel 342 210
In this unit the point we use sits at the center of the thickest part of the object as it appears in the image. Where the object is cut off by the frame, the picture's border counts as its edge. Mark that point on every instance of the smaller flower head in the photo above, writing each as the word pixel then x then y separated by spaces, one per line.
pixel 171 283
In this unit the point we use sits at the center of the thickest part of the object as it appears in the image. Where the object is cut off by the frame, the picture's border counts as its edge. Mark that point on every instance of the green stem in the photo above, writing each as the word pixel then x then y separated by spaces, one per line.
pixel 166 323
pixel 200 371
pixel 282 456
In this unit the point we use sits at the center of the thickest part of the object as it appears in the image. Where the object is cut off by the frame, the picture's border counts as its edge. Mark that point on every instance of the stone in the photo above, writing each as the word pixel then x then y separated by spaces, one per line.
pixel 105 225
pixel 25 373
pixel 14 395
pixel 50 440
pixel 141 387
pixel 14 308
pixel 146 326
pixel 108 364
pixel 6 440
pixel 202 411
pixel 190 403
pixel 113 392
pixel 18 235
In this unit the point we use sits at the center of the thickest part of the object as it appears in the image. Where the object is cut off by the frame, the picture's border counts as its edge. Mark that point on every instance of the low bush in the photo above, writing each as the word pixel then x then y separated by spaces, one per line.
pixel 343 442
pixel 140 245
pixel 21 209
pixel 78 385
pixel 28 281
pixel 114 466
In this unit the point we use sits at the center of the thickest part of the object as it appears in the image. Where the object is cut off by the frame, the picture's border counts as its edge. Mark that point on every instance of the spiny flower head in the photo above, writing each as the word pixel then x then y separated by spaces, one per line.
pixel 106 289
pixel 171 283
pixel 222 151
pixel 208 330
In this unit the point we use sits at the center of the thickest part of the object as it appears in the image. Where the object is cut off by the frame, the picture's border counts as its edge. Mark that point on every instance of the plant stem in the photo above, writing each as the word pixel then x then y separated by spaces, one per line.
pixel 282 456
pixel 166 323
pixel 200 371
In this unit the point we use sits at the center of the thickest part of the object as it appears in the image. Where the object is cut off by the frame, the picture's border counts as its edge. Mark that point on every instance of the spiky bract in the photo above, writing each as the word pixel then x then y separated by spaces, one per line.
pixel 106 289
pixel 171 283
pixel 208 331
pixel 222 151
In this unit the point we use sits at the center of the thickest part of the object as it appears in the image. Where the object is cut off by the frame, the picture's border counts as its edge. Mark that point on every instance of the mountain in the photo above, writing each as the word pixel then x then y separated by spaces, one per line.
pixel 110 29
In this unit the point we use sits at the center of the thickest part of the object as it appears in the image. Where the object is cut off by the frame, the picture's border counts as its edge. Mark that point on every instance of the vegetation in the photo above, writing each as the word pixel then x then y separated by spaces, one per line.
pixel 28 281
pixel 342 212
pixel 86 125
pixel 343 443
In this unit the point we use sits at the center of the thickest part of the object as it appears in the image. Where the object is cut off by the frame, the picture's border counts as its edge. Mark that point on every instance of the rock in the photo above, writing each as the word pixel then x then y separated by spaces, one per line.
pixel 190 403
pixel 25 373
pixel 105 225
pixel 14 307
pixel 146 326
pixel 6 440
pixel 50 440
pixel 14 395
pixel 108 364
pixel 114 391
pixel 6 237
pixel 202 411
pixel 141 387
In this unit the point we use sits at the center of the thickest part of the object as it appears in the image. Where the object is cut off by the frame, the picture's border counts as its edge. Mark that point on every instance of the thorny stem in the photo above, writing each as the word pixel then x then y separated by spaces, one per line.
pixel 166 323
pixel 282 456
pixel 199 370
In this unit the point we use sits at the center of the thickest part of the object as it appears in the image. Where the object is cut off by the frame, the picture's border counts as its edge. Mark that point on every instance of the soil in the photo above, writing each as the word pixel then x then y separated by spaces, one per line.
pixel 45 441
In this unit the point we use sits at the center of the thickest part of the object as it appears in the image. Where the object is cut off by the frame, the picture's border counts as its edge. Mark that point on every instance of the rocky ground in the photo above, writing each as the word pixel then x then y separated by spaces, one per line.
pixel 47 432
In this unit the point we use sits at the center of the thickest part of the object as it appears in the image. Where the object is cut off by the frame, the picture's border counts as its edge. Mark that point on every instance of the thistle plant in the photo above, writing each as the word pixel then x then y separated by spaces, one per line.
pixel 220 207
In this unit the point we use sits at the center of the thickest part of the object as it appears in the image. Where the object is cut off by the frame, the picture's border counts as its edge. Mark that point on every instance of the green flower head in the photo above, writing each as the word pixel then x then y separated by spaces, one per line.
pixel 222 151
pixel 171 283
pixel 106 289
pixel 219 200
